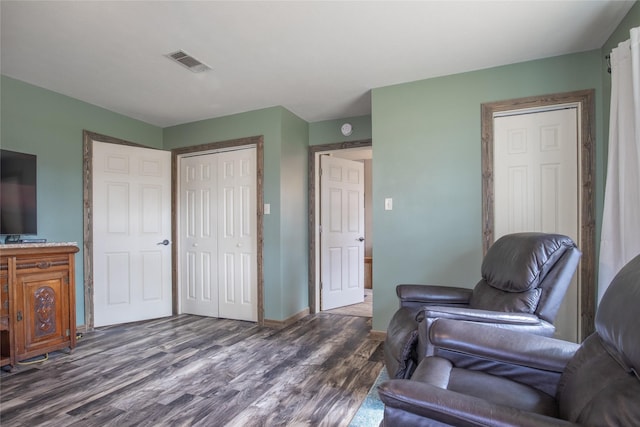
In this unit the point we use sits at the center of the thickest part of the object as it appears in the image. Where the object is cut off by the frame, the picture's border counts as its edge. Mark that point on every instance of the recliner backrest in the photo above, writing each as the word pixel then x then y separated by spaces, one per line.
pixel 617 320
pixel 526 272
pixel 601 383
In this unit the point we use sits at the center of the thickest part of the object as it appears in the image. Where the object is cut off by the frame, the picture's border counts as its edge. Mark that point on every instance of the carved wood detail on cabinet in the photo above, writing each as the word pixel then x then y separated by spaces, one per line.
pixel 38 289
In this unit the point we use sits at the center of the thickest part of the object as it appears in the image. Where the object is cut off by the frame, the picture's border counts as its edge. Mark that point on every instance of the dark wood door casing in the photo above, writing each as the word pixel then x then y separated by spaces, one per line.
pixel 585 99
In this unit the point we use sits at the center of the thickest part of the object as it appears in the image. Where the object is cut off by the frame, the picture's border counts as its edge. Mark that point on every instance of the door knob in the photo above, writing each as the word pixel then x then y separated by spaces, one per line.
pixel 164 242
pixel 361 239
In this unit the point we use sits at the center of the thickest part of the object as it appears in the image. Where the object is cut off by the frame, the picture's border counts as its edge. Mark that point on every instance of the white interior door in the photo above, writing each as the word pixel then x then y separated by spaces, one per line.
pixel 342 232
pixel 237 238
pixel 199 235
pixel 131 221
pixel 218 228
pixel 536 186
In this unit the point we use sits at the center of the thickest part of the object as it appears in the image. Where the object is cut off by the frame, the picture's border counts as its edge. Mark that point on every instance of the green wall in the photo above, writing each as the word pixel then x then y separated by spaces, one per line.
pixel 285 172
pixel 50 125
pixel 426 144
pixel 294 215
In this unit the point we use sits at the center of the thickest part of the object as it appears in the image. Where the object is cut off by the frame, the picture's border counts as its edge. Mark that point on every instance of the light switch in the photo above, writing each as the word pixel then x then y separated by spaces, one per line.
pixel 388 204
pixel 267 208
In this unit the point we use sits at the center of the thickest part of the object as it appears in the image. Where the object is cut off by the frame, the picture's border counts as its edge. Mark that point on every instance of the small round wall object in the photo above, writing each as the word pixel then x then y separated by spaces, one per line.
pixel 346 129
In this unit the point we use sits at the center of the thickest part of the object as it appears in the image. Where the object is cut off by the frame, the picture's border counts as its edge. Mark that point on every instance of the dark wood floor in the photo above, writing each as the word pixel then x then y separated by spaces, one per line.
pixel 197 371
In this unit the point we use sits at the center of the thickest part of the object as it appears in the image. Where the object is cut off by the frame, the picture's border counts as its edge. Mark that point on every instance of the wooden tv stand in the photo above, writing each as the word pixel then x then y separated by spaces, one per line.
pixel 38 312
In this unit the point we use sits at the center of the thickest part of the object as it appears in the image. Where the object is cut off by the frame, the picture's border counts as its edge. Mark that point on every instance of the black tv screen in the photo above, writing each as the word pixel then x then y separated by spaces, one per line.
pixel 18 201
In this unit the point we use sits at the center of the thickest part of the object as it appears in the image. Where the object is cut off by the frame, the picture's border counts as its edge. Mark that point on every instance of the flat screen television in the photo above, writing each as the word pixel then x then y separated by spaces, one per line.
pixel 18 194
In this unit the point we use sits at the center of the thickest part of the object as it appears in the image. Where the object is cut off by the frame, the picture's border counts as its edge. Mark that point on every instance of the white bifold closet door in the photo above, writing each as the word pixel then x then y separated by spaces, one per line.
pixel 218 239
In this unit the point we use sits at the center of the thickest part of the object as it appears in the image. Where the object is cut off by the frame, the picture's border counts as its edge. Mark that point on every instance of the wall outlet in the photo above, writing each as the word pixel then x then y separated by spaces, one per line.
pixel 267 208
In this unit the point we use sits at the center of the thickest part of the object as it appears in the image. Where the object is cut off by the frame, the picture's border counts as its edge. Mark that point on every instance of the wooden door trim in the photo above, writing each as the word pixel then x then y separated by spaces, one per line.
pixel 586 100
pixel 313 221
pixel 253 141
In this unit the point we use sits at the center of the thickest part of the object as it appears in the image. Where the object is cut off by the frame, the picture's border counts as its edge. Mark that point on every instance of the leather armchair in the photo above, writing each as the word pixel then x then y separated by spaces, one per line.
pixel 524 279
pixel 481 375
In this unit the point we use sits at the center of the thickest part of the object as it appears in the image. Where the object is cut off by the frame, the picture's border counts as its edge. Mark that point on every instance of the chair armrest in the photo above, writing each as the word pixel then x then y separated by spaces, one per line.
pixel 482 316
pixel 502 345
pixel 406 401
pixel 433 294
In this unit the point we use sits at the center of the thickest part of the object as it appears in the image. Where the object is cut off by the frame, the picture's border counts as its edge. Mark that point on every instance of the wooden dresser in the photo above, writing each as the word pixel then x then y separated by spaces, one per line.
pixel 38 300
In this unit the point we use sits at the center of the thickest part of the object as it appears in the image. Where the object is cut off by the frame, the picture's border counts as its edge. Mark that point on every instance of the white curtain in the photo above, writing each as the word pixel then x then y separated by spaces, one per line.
pixel 620 239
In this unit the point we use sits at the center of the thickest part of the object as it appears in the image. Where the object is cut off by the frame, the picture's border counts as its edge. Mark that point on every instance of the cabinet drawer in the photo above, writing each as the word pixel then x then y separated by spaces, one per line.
pixel 42 263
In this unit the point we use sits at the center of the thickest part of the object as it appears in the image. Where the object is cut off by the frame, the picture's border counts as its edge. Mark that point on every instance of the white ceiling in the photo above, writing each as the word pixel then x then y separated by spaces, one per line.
pixel 319 59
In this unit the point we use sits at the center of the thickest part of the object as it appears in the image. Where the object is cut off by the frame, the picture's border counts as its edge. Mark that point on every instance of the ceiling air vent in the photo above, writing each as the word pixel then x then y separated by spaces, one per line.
pixel 188 61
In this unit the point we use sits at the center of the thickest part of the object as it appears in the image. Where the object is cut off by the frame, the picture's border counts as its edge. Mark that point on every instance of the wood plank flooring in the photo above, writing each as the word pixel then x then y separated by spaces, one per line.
pixel 197 371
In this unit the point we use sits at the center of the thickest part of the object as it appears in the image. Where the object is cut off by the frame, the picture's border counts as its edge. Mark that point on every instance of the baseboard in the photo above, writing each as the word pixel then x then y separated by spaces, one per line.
pixel 279 324
pixel 377 335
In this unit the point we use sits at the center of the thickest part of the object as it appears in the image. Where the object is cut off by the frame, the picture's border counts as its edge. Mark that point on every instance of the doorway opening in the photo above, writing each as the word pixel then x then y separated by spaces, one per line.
pixel 355 150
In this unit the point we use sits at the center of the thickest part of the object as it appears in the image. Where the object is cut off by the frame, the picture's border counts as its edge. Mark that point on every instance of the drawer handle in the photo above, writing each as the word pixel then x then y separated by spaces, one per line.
pixel 43 265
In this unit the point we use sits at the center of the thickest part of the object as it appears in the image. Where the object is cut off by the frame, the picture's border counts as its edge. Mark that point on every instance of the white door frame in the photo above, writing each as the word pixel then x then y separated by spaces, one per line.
pixel 585 99
pixel 258 143
pixel 314 216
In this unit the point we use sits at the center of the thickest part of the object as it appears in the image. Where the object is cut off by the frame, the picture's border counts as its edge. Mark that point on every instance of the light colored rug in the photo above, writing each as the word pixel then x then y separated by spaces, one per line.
pixel 372 409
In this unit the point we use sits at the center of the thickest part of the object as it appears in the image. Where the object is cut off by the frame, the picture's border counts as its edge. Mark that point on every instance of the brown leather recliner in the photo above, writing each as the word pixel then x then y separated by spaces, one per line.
pixel 483 376
pixel 524 279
